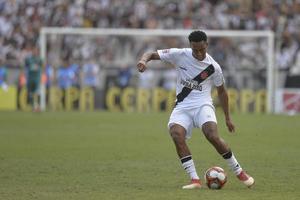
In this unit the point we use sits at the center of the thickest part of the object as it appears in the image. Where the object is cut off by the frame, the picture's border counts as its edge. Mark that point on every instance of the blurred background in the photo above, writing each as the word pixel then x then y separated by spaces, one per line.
pixel 97 72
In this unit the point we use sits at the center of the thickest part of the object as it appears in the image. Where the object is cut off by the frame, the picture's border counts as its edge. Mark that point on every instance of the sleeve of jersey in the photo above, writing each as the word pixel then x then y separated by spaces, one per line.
pixel 218 76
pixel 169 55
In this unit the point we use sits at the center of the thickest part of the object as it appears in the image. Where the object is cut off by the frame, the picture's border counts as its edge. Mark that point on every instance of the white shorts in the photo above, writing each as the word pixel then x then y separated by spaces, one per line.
pixel 190 118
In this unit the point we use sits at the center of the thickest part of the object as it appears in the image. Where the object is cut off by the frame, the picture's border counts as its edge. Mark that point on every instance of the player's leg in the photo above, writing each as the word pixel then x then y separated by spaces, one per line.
pixel 178 134
pixel 211 133
pixel 35 93
pixel 210 130
pixel 30 90
pixel 179 129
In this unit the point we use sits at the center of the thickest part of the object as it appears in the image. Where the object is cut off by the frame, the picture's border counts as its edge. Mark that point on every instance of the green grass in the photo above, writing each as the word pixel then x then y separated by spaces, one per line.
pixel 105 156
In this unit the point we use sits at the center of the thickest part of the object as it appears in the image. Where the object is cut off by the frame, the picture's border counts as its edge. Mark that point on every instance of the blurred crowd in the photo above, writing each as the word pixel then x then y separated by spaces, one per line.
pixel 21 20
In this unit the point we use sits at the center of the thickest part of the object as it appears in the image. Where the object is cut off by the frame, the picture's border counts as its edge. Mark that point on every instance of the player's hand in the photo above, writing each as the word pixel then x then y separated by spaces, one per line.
pixel 141 66
pixel 230 125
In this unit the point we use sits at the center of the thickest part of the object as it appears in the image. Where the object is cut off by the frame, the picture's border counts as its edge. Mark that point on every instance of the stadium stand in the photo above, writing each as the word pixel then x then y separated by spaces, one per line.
pixel 21 20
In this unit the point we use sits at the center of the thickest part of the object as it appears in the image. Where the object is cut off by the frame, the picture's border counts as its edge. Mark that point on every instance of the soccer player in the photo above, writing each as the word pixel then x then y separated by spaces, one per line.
pixel 33 66
pixel 197 72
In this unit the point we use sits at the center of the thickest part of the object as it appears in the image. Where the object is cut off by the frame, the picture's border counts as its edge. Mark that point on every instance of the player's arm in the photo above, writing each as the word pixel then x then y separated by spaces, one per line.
pixel 146 57
pixel 223 97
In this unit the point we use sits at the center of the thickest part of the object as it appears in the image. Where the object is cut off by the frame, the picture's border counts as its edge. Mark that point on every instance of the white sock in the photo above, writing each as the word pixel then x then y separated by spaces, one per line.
pixel 232 162
pixel 189 166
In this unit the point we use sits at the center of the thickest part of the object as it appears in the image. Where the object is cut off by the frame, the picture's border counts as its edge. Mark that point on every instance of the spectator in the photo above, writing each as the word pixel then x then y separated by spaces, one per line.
pixel 65 76
pixel 3 76
pixel 90 72
pixel 21 20
pixel 124 76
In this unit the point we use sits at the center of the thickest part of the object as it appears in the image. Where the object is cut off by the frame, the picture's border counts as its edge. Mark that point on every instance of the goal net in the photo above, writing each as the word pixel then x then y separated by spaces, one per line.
pixel 101 64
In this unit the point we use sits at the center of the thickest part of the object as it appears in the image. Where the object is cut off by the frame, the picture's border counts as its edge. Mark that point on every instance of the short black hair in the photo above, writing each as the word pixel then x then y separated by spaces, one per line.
pixel 197 36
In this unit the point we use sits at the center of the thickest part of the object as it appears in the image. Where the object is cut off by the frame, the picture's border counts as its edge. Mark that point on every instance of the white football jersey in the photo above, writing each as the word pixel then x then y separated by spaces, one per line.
pixel 193 88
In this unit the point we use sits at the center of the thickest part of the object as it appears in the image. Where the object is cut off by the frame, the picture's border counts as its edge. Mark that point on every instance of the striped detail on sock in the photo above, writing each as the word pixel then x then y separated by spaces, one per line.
pixel 227 155
pixel 189 166
pixel 185 159
pixel 232 162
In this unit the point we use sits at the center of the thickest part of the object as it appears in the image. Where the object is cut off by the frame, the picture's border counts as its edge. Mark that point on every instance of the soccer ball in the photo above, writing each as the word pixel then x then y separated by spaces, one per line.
pixel 215 178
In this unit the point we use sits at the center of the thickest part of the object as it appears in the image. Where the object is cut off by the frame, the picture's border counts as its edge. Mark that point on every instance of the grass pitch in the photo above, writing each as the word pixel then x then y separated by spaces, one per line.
pixel 104 156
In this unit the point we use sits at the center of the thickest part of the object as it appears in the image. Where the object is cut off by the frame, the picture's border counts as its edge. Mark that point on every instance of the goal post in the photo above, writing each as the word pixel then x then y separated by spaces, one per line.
pixel 268 36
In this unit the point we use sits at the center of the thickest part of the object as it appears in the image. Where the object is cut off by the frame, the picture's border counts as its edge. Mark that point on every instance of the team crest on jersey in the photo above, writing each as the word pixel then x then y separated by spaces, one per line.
pixel 166 51
pixel 204 75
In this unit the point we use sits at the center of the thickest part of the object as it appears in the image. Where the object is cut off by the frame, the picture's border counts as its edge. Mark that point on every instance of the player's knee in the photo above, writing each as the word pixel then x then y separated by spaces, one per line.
pixel 176 135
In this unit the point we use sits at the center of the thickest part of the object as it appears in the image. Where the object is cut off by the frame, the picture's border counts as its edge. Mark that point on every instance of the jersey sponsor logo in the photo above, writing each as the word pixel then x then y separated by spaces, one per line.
pixel 192 84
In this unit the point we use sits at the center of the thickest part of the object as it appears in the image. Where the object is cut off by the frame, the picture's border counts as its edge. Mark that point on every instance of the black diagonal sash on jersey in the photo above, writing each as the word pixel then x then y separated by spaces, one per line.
pixel 199 78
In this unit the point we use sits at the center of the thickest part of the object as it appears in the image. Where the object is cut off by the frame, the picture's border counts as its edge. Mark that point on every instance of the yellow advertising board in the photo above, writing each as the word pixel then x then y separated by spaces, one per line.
pixel 8 98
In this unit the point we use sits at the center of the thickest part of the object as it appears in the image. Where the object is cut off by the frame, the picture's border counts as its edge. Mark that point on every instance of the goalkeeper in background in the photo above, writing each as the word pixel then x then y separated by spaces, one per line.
pixel 33 68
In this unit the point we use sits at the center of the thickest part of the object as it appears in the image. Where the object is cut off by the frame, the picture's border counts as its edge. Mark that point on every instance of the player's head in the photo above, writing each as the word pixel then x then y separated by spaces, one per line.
pixel 198 44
